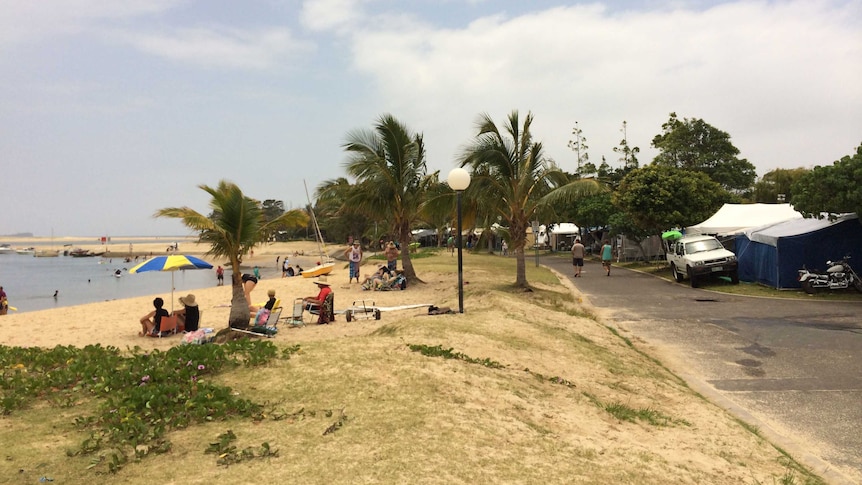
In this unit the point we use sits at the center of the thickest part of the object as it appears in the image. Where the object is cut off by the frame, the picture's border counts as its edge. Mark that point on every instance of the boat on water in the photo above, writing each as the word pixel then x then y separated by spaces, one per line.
pixel 26 251
pixel 6 249
pixel 326 265
pixel 47 253
pixel 81 253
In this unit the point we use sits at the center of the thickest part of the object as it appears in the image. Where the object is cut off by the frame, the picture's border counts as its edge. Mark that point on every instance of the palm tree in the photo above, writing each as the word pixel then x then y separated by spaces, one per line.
pixel 512 173
pixel 235 227
pixel 389 162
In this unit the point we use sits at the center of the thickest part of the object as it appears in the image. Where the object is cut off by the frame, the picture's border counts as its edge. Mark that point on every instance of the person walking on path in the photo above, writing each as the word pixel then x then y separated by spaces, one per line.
pixel 354 256
pixel 607 255
pixel 578 256
pixel 391 254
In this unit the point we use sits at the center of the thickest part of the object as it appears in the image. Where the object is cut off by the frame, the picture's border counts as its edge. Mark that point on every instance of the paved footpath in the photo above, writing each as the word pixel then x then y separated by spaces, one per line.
pixel 793 368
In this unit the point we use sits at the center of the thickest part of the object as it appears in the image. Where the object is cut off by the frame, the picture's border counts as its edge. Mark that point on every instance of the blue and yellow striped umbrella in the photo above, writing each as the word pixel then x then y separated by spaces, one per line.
pixel 171 263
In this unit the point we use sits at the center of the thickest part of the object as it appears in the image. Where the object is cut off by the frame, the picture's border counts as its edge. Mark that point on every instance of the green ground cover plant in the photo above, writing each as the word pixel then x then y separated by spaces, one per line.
pixel 139 395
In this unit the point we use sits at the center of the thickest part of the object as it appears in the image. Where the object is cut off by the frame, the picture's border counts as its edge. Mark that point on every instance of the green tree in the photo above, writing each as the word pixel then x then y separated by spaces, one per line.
pixel 236 226
pixel 510 171
pixel 579 146
pixel 389 162
pixel 628 155
pixel 658 197
pixel 272 209
pixel 831 190
pixel 776 185
pixel 338 220
pixel 693 144
pixel 622 223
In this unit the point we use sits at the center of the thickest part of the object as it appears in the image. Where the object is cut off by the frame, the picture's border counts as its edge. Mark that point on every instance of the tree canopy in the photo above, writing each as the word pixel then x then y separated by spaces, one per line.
pixel 776 185
pixel 659 197
pixel 831 190
pixel 389 162
pixel 693 144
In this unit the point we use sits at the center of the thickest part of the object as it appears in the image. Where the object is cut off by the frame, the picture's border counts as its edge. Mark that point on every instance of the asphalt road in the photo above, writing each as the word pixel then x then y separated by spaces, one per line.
pixel 793 368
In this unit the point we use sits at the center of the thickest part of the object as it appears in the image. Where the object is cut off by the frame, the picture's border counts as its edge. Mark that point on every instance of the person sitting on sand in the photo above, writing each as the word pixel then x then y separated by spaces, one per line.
pixel 270 304
pixel 377 279
pixel 151 321
pixel 189 316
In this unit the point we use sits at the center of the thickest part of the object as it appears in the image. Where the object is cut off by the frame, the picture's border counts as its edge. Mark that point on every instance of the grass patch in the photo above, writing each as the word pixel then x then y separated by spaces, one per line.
pixel 439 351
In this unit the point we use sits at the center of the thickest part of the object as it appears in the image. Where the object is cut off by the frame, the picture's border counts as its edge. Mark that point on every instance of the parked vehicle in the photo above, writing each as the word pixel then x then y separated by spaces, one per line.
pixel 839 275
pixel 701 257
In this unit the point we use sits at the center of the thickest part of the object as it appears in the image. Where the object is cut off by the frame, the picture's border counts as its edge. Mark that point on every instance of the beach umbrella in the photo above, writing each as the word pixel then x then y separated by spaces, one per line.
pixel 171 263
pixel 671 235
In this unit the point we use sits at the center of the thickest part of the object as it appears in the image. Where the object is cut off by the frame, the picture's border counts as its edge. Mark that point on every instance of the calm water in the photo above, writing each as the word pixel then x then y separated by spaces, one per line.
pixel 30 282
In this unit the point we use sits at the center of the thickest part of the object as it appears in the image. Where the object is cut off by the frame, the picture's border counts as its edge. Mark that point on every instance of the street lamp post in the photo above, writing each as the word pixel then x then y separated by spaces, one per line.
pixel 459 180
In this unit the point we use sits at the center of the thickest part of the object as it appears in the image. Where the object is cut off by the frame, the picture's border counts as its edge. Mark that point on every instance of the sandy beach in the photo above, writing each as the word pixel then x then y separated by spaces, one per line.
pixel 116 323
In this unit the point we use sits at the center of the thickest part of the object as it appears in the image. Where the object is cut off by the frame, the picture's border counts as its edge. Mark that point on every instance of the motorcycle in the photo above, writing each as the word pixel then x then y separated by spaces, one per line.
pixel 838 276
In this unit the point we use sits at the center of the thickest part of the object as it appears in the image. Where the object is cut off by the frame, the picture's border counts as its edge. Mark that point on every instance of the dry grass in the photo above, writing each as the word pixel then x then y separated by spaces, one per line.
pixel 410 418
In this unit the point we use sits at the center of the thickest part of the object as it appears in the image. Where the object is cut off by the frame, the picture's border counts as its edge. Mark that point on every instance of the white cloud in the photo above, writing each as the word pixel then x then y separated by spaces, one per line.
pixel 320 15
pixel 221 47
pixel 755 70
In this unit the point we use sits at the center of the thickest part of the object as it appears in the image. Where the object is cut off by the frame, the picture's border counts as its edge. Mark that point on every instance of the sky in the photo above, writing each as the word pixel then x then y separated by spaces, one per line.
pixel 111 110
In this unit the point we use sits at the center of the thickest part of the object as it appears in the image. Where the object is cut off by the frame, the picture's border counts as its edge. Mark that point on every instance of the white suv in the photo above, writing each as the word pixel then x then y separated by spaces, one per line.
pixel 699 257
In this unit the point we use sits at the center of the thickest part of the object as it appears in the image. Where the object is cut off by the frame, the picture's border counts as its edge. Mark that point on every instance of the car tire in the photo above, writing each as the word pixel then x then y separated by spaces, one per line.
pixel 692 279
pixel 806 286
pixel 734 277
pixel 676 274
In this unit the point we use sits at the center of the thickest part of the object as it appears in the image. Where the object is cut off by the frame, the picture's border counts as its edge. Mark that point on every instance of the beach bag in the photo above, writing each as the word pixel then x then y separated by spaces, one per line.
pixel 198 337
pixel 261 318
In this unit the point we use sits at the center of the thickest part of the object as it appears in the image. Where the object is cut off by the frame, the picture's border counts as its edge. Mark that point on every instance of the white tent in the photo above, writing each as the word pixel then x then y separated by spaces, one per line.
pixel 734 219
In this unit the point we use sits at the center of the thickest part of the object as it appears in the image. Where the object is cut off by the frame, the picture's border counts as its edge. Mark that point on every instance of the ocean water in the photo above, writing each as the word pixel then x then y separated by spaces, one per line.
pixel 30 282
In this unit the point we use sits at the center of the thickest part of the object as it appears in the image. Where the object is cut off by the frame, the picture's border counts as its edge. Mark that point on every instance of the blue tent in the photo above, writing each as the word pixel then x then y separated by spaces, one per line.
pixel 772 254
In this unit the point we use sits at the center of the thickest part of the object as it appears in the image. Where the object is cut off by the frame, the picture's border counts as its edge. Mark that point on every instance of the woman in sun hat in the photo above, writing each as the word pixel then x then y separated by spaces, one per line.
pixel 189 316
pixel 316 303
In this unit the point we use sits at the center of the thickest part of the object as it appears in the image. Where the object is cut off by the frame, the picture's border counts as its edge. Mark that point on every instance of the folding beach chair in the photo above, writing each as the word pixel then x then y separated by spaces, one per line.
pixel 167 326
pixel 296 320
pixel 326 312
